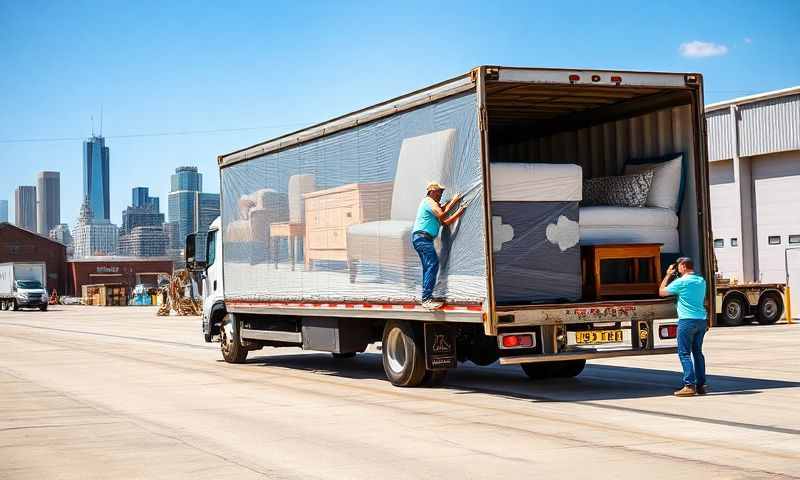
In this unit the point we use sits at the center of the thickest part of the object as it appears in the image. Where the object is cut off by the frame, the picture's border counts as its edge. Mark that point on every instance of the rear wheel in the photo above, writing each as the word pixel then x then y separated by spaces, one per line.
pixel 2 304
pixel 403 354
pixel 230 343
pixel 733 309
pixel 14 305
pixel 770 308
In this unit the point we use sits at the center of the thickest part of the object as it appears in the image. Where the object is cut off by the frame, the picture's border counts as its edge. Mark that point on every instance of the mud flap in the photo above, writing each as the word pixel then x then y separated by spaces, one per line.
pixel 440 346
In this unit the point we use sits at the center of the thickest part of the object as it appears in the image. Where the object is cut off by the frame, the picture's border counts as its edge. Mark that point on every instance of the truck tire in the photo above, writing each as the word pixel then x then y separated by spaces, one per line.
pixel 733 309
pixel 770 308
pixel 539 371
pixel 403 354
pixel 569 368
pixel 14 305
pixel 2 305
pixel 230 343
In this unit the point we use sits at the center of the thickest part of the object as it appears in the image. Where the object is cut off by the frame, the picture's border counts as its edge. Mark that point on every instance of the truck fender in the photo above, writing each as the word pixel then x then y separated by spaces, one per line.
pixel 215 316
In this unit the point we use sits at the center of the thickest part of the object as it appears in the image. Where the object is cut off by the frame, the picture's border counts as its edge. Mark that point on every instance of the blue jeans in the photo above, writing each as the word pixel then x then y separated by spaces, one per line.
pixel 430 264
pixel 690 344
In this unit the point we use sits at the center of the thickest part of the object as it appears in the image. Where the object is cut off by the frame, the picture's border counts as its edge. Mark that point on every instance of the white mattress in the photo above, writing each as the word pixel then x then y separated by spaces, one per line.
pixel 600 225
pixel 536 182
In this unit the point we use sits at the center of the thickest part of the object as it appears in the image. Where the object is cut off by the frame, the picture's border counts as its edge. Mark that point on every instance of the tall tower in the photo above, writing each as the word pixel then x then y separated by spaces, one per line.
pixel 184 185
pixel 48 201
pixel 96 177
pixel 25 207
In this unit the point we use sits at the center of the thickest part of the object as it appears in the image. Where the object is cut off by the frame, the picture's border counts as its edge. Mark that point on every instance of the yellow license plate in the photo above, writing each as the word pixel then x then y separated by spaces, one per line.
pixel 598 336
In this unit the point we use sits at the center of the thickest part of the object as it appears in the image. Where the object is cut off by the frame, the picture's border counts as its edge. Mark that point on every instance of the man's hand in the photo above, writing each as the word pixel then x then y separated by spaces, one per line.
pixel 452 203
pixel 670 270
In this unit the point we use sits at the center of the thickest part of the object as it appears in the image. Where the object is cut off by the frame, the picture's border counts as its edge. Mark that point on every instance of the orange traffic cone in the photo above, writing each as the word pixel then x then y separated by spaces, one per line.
pixel 53 298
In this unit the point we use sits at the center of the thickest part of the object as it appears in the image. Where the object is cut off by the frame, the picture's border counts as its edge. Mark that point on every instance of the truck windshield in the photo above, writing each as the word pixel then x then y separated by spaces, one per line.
pixel 28 284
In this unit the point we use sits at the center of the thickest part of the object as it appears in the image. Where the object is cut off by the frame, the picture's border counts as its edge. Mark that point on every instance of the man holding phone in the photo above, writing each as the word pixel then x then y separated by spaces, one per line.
pixel 690 290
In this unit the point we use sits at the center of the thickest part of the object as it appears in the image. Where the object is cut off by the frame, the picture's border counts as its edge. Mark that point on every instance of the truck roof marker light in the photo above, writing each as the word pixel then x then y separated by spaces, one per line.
pixel 616 79
pixel 595 78
pixel 574 78
pixel 692 79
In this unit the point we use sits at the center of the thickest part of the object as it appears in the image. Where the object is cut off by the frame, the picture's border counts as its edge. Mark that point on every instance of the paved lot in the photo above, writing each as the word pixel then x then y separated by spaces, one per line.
pixel 93 392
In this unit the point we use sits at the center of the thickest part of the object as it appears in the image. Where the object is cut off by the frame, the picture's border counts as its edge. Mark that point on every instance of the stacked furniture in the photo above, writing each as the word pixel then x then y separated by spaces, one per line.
pixel 295 229
pixel 329 213
pixel 247 238
pixel 655 221
pixel 535 232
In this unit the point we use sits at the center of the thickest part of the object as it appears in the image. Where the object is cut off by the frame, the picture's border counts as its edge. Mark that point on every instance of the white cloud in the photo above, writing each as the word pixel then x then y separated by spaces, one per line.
pixel 698 49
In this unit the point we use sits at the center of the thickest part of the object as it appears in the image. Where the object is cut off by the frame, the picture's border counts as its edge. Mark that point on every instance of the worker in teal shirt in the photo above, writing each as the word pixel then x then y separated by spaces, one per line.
pixel 430 217
pixel 690 290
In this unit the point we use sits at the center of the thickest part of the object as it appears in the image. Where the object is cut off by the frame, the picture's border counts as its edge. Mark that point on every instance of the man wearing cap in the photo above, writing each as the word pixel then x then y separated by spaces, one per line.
pixel 690 288
pixel 430 217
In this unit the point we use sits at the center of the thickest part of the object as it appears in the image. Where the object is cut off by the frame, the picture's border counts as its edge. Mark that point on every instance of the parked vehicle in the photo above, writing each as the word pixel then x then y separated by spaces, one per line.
pixel 314 236
pixel 740 303
pixel 22 286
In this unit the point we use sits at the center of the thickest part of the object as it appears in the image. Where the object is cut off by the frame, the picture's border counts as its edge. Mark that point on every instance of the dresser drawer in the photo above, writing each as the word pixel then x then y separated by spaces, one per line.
pixel 336 238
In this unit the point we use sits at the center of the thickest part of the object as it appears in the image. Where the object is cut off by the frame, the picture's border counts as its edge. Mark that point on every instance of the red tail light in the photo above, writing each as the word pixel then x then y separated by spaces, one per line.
pixel 517 340
pixel 616 79
pixel 574 78
pixel 668 331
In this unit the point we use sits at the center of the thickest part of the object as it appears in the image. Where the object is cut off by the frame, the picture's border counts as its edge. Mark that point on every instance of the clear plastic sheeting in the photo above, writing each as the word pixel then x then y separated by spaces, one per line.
pixel 330 220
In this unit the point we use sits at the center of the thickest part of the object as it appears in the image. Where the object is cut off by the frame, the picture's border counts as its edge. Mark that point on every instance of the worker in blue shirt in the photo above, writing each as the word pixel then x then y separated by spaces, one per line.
pixel 431 215
pixel 690 290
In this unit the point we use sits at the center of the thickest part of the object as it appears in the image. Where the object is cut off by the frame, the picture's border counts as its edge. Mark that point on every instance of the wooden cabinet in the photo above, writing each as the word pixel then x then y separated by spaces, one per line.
pixel 329 212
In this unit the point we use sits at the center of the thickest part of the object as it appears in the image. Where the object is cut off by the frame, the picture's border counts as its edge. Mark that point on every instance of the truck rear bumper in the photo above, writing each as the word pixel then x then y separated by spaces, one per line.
pixel 583 355
pixel 583 312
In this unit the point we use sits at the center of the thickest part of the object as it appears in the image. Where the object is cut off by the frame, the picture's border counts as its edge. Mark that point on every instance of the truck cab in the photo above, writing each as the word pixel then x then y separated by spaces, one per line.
pixel 210 267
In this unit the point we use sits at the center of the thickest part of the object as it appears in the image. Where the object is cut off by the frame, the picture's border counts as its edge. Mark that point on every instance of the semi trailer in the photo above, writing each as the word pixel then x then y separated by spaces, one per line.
pixel 580 187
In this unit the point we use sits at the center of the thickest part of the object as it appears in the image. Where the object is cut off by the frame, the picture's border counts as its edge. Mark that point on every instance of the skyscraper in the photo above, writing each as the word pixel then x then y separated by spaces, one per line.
pixel 140 197
pixel 48 201
pixel 206 209
pixel 25 207
pixel 3 211
pixel 185 183
pixel 96 177
pixel 143 212
pixel 93 236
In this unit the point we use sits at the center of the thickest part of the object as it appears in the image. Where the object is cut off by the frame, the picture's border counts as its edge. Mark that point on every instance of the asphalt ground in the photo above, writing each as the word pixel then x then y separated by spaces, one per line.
pixel 117 392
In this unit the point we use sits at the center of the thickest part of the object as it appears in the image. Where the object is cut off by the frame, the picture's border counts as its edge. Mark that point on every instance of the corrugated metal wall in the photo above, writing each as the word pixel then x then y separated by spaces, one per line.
pixel 767 126
pixel 603 150
pixel 720 134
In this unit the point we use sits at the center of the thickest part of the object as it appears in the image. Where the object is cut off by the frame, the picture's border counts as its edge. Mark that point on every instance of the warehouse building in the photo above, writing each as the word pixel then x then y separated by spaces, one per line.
pixel 754 171
pixel 22 245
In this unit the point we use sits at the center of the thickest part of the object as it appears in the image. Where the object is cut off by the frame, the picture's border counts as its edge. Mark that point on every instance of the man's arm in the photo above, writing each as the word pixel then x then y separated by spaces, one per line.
pixel 452 203
pixel 662 290
pixel 452 218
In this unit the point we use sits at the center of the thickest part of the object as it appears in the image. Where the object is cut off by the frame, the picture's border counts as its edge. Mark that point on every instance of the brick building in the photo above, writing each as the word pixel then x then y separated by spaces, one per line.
pixel 128 271
pixel 20 245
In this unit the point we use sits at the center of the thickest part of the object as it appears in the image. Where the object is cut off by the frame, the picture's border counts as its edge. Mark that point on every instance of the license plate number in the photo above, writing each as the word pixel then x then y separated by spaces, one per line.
pixel 598 336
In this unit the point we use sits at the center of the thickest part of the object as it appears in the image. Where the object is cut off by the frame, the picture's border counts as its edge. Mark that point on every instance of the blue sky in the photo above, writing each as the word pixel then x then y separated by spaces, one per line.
pixel 271 67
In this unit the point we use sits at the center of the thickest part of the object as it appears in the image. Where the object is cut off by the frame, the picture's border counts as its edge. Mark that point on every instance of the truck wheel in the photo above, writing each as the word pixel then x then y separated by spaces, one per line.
pixel 2 304
pixel 230 343
pixel 403 354
pixel 539 371
pixel 733 309
pixel 569 368
pixel 770 309
pixel 43 308
pixel 14 305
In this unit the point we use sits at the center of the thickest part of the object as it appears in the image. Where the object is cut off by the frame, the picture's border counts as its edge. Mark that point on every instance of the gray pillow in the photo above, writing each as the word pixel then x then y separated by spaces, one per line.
pixel 622 191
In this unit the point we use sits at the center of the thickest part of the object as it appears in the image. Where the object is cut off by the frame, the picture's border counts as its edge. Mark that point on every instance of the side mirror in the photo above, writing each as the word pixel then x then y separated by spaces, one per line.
pixel 194 253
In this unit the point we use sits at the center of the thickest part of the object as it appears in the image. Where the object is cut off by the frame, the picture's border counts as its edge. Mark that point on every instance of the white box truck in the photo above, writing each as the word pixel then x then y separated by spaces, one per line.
pixel 22 285
pixel 314 244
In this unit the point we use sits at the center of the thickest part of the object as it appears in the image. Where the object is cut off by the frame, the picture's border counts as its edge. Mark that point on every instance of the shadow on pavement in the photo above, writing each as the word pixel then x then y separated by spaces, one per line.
pixel 597 382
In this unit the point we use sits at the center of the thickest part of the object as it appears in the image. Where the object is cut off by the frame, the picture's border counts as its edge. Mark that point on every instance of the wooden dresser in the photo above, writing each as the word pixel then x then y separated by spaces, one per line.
pixel 329 212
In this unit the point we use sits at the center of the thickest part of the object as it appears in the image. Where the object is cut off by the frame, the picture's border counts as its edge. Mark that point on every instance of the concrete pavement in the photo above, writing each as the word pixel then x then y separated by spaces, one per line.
pixel 116 392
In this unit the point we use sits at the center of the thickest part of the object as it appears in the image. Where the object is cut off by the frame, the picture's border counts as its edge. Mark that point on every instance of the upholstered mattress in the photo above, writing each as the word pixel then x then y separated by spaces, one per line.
pixel 603 224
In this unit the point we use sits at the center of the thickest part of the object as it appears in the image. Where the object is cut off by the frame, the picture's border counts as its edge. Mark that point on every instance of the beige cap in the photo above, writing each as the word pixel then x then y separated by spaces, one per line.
pixel 434 186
